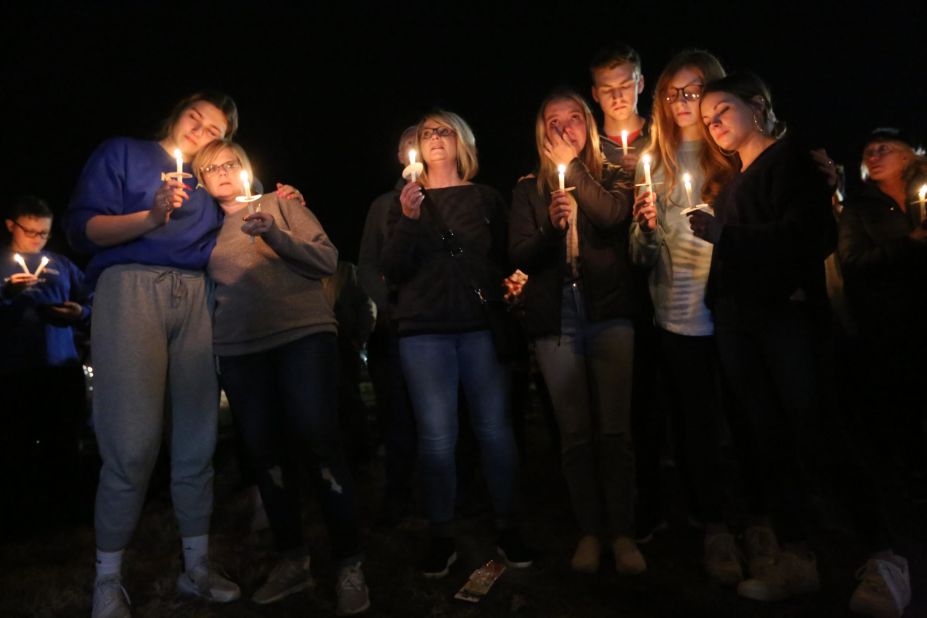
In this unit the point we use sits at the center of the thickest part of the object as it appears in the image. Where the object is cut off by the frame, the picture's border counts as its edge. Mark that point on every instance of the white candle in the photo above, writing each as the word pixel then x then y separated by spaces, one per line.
pixel 178 156
pixel 624 142
pixel 245 184
pixel 22 263
pixel 42 265
pixel 412 154
pixel 687 180
pixel 922 198
pixel 561 176
pixel 647 179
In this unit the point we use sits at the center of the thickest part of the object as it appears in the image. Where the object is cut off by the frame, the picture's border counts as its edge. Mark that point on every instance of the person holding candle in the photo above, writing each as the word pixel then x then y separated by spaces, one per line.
pixel 150 240
pixel 578 307
pixel 685 169
pixel 771 231
pixel 44 398
pixel 278 365
pixel 394 411
pixel 445 254
pixel 617 82
pixel 883 254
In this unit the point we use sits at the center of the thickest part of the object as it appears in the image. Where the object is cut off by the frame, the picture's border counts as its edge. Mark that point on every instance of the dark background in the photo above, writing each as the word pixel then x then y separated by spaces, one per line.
pixel 324 92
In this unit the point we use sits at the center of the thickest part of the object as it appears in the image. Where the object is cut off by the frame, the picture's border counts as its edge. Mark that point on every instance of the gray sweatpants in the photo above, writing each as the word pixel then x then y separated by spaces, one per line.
pixel 151 339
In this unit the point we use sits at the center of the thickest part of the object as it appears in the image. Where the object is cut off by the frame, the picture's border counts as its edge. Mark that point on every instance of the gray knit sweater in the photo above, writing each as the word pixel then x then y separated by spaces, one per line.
pixel 270 292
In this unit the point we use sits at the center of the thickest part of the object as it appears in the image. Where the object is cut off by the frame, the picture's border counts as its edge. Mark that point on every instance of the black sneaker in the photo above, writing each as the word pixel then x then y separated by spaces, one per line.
pixel 441 555
pixel 513 550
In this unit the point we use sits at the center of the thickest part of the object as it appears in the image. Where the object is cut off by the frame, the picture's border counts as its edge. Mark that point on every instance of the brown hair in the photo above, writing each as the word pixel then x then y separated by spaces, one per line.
pixel 665 136
pixel 612 56
pixel 221 100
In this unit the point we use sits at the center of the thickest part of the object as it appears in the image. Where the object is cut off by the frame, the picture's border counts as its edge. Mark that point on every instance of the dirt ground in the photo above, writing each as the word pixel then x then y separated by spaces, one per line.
pixel 47 565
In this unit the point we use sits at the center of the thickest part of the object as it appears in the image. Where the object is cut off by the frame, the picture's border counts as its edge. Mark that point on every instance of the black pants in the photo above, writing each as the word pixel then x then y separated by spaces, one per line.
pixel 285 404
pixel 689 376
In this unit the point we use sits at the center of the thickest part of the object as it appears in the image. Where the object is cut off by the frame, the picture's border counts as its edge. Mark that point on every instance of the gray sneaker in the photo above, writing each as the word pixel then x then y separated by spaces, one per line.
pixel 353 596
pixel 205 582
pixel 884 588
pixel 286 578
pixel 110 599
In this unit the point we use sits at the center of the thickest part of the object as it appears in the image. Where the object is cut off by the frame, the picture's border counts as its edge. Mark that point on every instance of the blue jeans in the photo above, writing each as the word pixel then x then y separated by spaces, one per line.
pixel 285 405
pixel 434 365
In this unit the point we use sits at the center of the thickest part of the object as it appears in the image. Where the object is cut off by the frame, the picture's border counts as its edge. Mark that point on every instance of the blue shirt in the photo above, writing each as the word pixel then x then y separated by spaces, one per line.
pixel 27 338
pixel 121 178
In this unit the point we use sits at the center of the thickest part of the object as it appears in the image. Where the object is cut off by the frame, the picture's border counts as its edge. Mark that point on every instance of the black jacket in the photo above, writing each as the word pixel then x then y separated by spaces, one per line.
pixel 778 229
pixel 435 290
pixel 539 250
pixel 885 271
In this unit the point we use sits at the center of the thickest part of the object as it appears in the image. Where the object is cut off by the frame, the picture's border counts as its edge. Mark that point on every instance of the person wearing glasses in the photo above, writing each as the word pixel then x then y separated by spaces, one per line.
pixel 578 305
pixel 275 336
pixel 445 254
pixel 41 378
pixel 687 170
pixel 150 240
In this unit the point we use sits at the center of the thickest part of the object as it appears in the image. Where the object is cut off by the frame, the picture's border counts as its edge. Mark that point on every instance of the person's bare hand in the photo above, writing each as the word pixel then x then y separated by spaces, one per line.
pixel 289 192
pixel 826 166
pixel 559 209
pixel 919 233
pixel 559 150
pixel 705 226
pixel 645 211
pixel 66 313
pixel 17 283
pixel 629 161
pixel 411 200
pixel 258 223
pixel 168 198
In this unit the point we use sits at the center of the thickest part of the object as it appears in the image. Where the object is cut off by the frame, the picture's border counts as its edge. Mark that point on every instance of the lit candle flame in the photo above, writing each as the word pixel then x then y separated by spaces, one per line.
pixel 647 180
pixel 22 263
pixel 178 156
pixel 42 265
pixel 245 183
pixel 561 176
pixel 624 142
pixel 922 193
pixel 412 155
pixel 687 181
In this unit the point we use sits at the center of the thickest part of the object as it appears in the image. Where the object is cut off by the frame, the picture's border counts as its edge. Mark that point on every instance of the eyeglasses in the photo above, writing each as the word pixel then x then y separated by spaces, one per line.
pixel 439 131
pixel 228 166
pixel 877 152
pixel 692 92
pixel 32 233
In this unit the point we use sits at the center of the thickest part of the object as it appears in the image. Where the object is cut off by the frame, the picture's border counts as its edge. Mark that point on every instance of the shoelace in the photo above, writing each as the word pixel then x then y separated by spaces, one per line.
pixel 351 578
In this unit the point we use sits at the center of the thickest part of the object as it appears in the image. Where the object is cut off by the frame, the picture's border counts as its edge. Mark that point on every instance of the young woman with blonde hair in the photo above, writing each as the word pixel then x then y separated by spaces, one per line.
pixel 578 308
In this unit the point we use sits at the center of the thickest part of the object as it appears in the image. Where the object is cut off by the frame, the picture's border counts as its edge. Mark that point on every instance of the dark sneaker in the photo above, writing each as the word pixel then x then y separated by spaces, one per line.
pixel 723 560
pixel 513 550
pixel 286 578
pixel 441 555
pixel 785 576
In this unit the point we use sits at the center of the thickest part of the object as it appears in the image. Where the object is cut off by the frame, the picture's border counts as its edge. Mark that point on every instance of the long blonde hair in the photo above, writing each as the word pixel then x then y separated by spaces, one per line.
pixel 467 163
pixel 591 154
pixel 665 136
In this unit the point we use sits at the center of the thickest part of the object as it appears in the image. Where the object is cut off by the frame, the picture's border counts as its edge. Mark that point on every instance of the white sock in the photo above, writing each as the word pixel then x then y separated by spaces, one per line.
pixel 195 549
pixel 109 563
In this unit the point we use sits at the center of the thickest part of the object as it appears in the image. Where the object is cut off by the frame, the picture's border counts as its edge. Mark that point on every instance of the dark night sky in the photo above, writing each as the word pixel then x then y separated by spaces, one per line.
pixel 323 96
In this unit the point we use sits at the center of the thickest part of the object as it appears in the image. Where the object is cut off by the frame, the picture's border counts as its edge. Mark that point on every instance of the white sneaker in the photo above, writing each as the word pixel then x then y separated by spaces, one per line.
pixel 110 599
pixel 884 588
pixel 351 590
pixel 782 577
pixel 205 582
pixel 286 578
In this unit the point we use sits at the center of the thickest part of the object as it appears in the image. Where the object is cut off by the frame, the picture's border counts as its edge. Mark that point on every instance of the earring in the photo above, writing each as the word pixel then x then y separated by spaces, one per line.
pixel 759 127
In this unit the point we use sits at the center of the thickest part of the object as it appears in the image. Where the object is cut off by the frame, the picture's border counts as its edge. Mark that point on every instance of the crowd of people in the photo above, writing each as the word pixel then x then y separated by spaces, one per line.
pixel 699 269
